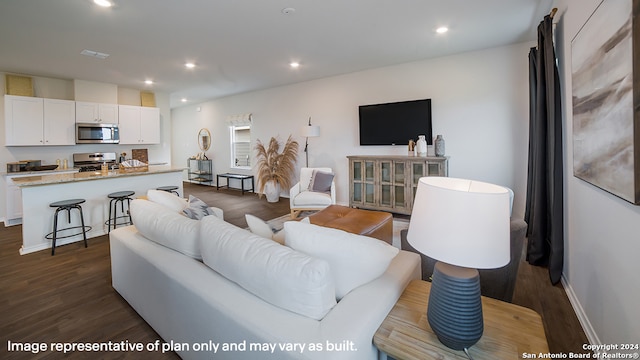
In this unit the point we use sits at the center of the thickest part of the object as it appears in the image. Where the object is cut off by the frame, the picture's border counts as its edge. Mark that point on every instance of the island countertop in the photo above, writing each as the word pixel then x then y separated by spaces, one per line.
pixel 48 179
pixel 39 191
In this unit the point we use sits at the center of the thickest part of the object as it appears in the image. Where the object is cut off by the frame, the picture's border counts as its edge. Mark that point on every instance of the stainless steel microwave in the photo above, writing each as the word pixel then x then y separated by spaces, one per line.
pixel 97 133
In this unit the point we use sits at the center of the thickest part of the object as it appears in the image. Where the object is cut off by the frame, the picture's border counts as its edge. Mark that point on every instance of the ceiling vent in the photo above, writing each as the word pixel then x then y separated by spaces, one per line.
pixel 94 54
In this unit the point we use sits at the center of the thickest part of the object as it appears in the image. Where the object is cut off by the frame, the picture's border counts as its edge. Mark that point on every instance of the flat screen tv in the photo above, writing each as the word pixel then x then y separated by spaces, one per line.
pixel 395 123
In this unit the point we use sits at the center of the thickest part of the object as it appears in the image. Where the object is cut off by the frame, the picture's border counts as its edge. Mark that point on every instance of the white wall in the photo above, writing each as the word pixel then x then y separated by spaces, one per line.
pixel 65 89
pixel 602 240
pixel 479 101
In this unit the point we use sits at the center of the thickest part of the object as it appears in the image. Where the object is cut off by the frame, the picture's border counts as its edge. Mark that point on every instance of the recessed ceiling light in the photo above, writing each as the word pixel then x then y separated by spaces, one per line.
pixel 148 82
pixel 294 64
pixel 190 65
pixel 442 30
pixel 103 3
pixel 183 99
pixel 288 11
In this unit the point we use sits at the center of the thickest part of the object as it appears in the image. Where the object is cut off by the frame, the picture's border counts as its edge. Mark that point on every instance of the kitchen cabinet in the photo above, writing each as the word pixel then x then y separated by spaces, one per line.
pixel 59 122
pixel 14 195
pixel 31 121
pixel 14 204
pixel 139 124
pixel 389 183
pixel 87 112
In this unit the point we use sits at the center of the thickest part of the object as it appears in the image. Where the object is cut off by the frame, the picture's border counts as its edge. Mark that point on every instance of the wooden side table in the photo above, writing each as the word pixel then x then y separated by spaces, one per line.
pixel 509 330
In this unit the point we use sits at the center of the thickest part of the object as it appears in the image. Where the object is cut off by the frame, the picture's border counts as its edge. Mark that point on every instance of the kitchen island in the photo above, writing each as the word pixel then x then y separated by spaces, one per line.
pixel 39 191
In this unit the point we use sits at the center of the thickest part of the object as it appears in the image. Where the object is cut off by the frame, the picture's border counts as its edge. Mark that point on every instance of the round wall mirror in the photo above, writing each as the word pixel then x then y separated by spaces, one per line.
pixel 204 139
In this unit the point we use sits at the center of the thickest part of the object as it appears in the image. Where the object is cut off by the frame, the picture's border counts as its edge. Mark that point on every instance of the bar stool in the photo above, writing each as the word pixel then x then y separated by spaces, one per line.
pixel 119 197
pixel 67 205
pixel 170 189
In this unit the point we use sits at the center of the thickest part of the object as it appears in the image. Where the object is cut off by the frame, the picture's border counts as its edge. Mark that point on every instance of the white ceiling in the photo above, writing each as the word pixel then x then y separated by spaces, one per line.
pixel 245 45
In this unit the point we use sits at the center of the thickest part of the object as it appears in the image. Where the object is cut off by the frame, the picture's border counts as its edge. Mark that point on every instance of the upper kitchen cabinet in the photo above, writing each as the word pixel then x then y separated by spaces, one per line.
pixel 59 122
pixel 139 125
pixel 31 121
pixel 87 112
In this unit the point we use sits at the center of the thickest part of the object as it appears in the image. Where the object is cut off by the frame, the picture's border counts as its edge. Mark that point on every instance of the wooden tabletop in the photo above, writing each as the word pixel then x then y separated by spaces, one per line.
pixel 509 330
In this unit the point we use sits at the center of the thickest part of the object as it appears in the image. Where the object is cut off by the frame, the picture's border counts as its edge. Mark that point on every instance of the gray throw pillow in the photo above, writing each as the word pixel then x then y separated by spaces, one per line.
pixel 197 209
pixel 321 182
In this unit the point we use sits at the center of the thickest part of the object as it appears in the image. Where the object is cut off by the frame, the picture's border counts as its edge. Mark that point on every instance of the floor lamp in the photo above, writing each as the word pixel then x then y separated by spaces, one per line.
pixel 464 225
pixel 309 131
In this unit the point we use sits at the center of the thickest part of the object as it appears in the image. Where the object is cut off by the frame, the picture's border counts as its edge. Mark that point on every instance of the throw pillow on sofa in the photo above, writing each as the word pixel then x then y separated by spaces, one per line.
pixel 169 200
pixel 260 227
pixel 167 228
pixel 354 259
pixel 277 274
pixel 196 209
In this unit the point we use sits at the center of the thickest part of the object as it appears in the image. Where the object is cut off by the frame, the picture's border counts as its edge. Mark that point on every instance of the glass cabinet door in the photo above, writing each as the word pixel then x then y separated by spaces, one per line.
pixel 434 169
pixel 369 182
pixel 386 171
pixel 399 184
pixel 417 171
pixel 357 177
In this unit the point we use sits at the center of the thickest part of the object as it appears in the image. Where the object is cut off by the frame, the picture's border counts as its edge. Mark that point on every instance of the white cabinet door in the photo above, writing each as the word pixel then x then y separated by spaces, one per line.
pixel 14 204
pixel 139 125
pixel 150 125
pixel 23 120
pixel 108 113
pixel 59 122
pixel 129 124
pixel 87 112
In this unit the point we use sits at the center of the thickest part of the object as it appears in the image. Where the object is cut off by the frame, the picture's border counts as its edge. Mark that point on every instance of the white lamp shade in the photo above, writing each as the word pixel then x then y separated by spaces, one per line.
pixel 310 131
pixel 461 222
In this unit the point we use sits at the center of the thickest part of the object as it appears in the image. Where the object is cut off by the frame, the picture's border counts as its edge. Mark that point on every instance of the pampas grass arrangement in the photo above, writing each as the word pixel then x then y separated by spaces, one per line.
pixel 274 165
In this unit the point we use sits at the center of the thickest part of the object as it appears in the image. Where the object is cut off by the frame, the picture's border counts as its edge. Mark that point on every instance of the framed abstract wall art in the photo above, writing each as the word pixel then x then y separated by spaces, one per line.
pixel 606 99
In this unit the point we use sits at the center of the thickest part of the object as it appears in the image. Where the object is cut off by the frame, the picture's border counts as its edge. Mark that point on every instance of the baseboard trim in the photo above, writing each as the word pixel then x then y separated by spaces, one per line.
pixel 588 329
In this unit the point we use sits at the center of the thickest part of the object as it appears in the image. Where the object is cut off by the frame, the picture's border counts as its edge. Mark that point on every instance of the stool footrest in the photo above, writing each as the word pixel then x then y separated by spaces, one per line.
pixel 85 229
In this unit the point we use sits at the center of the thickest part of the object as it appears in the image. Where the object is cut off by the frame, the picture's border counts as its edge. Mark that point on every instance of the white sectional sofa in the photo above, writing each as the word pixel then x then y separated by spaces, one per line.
pixel 189 303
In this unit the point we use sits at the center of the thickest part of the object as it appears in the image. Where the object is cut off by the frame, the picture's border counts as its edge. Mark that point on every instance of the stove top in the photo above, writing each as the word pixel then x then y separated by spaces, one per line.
pixel 93 161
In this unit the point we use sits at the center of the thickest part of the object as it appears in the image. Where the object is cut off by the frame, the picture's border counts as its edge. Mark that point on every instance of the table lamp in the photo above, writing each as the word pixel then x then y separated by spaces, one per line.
pixel 309 131
pixel 464 225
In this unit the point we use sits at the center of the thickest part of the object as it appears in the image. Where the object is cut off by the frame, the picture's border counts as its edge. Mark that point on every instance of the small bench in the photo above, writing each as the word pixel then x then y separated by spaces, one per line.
pixel 240 177
pixel 376 224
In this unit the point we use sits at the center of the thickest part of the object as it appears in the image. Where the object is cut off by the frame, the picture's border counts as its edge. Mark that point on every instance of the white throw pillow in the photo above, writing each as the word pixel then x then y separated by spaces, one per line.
pixel 165 227
pixel 260 227
pixel 277 274
pixel 354 259
pixel 167 199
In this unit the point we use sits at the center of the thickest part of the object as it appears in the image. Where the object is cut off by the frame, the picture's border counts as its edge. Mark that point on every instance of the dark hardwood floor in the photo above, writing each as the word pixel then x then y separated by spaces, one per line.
pixel 68 297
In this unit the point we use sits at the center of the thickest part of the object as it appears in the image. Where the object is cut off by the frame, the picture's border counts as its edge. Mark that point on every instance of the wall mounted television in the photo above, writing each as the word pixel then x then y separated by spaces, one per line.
pixel 395 123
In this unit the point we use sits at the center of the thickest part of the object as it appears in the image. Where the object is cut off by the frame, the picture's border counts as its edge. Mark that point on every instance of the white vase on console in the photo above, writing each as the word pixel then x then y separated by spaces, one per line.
pixel 421 146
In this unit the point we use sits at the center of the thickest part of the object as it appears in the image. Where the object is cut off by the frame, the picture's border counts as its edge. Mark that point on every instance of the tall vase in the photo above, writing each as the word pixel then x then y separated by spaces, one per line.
pixel 421 146
pixel 272 191
pixel 439 145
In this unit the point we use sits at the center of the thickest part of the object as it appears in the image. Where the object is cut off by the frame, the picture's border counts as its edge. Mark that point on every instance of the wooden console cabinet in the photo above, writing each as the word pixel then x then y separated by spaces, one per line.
pixel 389 183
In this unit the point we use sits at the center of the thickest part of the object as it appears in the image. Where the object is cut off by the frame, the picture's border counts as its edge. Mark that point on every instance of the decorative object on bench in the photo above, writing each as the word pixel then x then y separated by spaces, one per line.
pixel 315 191
pixel 275 168
pixel 441 206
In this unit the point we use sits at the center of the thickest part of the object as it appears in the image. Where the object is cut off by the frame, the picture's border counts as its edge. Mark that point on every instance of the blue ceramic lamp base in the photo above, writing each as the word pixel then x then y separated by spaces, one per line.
pixel 455 307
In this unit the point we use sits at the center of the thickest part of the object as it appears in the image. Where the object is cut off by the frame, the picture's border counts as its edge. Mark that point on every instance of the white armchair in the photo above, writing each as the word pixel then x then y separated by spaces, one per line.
pixel 301 198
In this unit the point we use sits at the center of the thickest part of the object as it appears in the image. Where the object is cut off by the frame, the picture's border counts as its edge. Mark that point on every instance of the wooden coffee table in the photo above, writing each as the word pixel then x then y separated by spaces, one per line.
pixel 509 330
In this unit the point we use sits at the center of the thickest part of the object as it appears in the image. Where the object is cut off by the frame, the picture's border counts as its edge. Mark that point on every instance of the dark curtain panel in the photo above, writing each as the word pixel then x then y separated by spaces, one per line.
pixel 544 206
